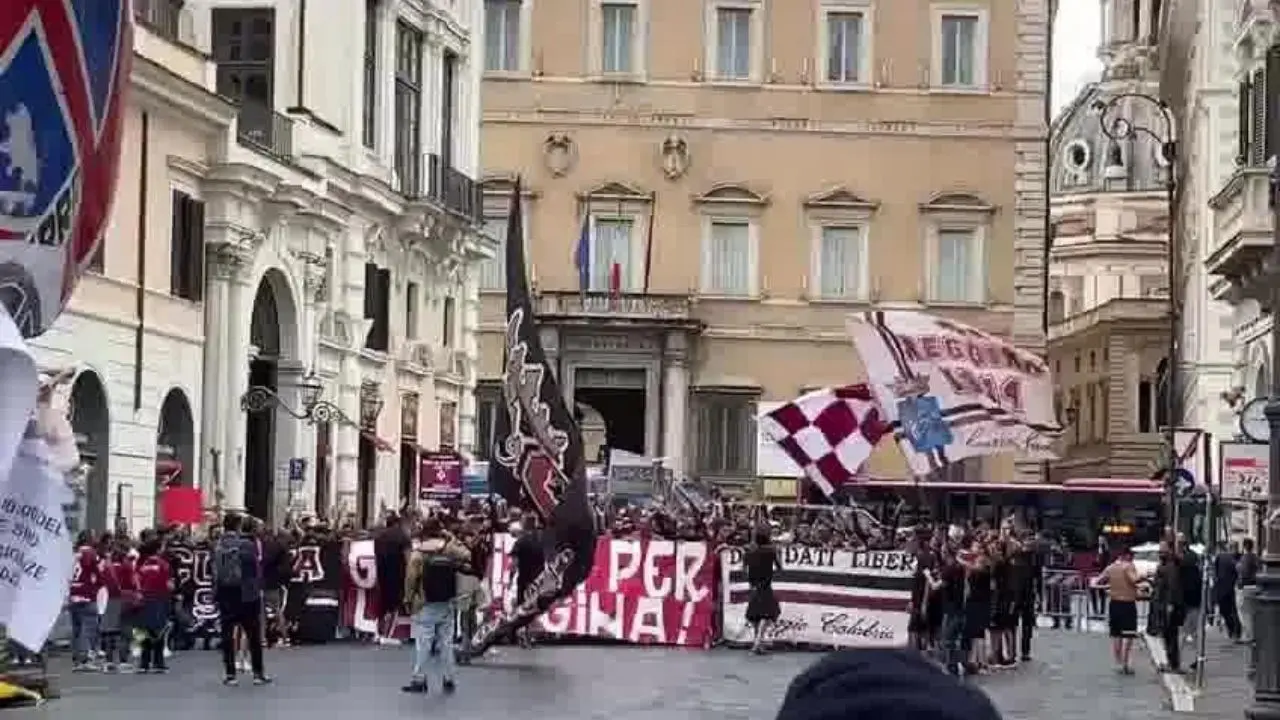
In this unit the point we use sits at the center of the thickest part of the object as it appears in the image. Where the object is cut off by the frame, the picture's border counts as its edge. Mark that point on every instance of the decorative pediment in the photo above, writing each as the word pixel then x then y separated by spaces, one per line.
pixel 840 198
pixel 732 193
pixel 957 202
pixel 614 190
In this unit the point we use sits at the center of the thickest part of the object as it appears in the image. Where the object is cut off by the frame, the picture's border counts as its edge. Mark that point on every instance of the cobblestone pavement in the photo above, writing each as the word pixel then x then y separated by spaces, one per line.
pixel 1070 678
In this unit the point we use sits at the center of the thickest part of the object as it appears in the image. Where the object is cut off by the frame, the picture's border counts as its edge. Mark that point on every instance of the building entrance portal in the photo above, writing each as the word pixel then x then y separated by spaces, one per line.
pixel 260 427
pixel 622 411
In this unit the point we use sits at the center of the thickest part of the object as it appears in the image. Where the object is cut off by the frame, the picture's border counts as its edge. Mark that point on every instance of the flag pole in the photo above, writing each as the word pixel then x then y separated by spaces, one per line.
pixel 648 242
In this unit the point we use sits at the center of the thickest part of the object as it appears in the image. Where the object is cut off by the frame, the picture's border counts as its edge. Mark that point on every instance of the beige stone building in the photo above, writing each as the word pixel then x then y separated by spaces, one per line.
pixel 745 173
pixel 1109 304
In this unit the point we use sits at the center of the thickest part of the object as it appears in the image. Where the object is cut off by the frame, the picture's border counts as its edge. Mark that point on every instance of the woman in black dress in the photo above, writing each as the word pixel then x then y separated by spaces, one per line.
pixel 761 561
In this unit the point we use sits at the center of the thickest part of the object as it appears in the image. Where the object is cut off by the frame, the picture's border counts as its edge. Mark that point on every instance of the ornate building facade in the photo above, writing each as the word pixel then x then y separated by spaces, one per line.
pixel 713 186
pixel 309 178
pixel 1225 93
pixel 1109 310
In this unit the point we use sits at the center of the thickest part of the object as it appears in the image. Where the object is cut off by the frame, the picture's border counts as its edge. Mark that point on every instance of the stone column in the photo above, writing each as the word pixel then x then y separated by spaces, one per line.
pixel 675 401
pixel 235 382
pixel 213 400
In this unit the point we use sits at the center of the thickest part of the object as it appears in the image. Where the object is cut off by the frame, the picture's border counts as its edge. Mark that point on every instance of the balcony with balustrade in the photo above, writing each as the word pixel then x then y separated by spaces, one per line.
pixel 658 310
pixel 1242 227
pixel 430 177
pixel 265 130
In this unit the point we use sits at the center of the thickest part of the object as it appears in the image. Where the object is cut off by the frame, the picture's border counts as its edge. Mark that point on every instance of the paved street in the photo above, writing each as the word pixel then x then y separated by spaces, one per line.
pixel 1227 690
pixel 1070 679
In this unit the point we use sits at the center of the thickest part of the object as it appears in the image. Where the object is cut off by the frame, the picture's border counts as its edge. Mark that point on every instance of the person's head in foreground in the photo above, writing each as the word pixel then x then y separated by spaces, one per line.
pixel 882 684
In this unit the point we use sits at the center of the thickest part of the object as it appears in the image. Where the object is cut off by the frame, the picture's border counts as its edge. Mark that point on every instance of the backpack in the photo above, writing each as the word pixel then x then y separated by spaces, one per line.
pixel 228 572
pixel 439 578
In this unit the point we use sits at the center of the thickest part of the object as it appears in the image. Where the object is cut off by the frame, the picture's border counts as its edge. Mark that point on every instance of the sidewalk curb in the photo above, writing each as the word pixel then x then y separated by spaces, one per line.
pixel 1181 695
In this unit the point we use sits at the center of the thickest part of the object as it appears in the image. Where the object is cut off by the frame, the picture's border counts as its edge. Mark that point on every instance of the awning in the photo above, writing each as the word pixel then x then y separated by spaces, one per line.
pixel 377 442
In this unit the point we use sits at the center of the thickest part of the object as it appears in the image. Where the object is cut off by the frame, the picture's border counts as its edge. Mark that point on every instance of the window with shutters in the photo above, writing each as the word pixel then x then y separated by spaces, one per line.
pixel 411 301
pixel 186 248
pixel 369 109
pixel 613 254
pixel 493 271
pixel 1258 119
pixel 725 433
pixel 1271 120
pixel 729 258
pixel 377 307
pixel 1243 120
pixel 449 321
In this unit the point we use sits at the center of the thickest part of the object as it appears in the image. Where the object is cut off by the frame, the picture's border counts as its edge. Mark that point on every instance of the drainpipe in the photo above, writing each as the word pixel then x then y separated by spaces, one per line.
pixel 1045 474
pixel 300 95
pixel 140 295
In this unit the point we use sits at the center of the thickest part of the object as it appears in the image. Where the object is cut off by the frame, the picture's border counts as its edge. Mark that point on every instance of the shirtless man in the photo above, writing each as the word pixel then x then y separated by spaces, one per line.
pixel 1121 579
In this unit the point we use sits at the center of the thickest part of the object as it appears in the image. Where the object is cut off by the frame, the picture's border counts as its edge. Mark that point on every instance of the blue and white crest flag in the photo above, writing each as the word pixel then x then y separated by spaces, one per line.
pixel 951 391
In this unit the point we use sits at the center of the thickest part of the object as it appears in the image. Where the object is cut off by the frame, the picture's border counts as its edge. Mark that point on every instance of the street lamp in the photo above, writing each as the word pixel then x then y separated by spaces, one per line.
pixel 1118 128
pixel 314 410
pixel 1266 607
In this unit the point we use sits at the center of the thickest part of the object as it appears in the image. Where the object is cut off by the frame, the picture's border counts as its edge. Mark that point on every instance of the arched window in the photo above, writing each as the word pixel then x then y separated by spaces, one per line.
pixel 1262 381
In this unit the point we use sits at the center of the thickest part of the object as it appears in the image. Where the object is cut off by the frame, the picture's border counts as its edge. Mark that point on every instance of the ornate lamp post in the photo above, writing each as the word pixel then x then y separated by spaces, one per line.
pixel 1118 128
pixel 259 398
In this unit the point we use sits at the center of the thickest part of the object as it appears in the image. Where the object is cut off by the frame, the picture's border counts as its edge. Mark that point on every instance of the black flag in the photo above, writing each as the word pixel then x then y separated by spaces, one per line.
pixel 537 455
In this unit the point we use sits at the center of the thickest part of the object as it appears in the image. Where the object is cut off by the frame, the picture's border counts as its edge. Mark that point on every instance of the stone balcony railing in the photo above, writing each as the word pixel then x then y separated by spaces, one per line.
pixel 1242 228
pixel 1132 309
pixel 626 306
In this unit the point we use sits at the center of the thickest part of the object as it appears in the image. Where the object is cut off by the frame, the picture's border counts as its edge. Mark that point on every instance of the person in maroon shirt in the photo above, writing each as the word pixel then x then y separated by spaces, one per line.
pixel 155 584
pixel 123 602
pixel 82 602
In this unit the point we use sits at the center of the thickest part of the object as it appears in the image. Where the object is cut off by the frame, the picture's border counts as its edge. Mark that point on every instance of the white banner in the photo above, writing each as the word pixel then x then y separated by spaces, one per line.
pixel 951 391
pixel 1245 467
pixel 828 597
pixel 36 559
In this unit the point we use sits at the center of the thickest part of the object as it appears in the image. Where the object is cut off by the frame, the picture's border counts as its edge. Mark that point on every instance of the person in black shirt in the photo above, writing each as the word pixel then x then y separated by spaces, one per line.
pixel 951 604
pixel 529 559
pixel 390 556
pixel 1225 577
pixel 761 561
pixel 1247 569
pixel 277 571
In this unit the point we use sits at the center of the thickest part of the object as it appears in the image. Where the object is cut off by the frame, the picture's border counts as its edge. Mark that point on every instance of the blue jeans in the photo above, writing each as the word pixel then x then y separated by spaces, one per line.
pixel 433 626
pixel 84 630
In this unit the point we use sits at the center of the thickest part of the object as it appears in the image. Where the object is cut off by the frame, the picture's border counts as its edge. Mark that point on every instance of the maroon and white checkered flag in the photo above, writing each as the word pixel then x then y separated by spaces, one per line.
pixel 829 433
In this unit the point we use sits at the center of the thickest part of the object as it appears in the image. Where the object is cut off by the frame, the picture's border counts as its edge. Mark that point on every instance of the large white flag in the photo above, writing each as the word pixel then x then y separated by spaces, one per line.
pixel 951 391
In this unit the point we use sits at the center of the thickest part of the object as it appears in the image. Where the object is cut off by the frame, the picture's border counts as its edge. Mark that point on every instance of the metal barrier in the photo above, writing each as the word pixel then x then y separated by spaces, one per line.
pixel 1070 600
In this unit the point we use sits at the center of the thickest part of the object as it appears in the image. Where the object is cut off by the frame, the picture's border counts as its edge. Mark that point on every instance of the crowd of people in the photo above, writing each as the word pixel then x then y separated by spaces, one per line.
pixel 976 596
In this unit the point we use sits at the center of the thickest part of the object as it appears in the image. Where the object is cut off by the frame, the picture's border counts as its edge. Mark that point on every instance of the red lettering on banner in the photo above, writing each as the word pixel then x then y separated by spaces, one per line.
pixel 640 590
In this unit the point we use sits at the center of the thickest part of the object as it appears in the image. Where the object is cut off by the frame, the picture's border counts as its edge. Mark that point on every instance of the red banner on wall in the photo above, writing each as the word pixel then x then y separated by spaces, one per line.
pixel 643 591
pixel 440 476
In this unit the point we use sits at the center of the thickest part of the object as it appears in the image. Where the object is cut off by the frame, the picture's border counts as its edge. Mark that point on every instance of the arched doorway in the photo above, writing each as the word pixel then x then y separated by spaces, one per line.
pixel 91 422
pixel 266 337
pixel 175 445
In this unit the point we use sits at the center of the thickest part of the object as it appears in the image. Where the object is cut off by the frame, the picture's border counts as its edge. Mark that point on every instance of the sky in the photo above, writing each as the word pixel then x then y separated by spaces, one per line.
pixel 1075 45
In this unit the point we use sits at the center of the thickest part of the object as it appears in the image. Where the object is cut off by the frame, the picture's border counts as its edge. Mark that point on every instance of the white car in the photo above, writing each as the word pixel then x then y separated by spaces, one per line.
pixel 1146 557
